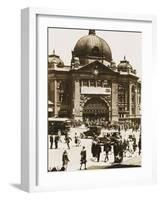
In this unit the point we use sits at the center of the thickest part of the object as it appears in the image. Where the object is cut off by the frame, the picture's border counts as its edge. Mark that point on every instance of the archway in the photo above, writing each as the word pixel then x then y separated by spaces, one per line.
pixel 96 109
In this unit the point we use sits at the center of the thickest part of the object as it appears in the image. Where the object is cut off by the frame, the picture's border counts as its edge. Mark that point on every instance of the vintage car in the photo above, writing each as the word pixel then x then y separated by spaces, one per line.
pixel 58 124
pixel 94 131
pixel 110 137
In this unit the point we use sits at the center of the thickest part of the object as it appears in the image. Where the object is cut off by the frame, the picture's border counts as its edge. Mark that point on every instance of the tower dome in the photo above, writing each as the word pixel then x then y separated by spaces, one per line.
pixel 55 59
pixel 125 66
pixel 92 46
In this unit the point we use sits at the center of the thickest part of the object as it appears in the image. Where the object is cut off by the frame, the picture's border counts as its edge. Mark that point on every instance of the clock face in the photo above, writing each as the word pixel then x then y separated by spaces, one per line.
pixel 95 72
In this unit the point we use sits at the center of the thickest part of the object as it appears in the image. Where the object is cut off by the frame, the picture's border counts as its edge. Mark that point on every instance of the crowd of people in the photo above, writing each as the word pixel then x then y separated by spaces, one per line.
pixel 117 145
pixel 125 125
pixel 110 144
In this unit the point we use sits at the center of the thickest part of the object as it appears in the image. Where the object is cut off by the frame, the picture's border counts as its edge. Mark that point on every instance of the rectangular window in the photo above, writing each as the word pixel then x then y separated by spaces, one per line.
pixel 92 83
pixel 99 83
pixel 105 83
pixel 85 82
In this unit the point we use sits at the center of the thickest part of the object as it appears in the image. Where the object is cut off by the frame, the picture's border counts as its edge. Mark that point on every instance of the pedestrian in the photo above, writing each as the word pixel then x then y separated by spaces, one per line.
pixel 134 143
pixel 65 160
pixel 116 151
pixel 67 140
pixel 121 155
pixel 83 158
pixel 93 148
pixel 107 148
pixel 76 140
pixel 98 151
pixel 131 145
pixel 124 146
pixel 139 145
pixel 59 134
pixel 51 141
pixel 56 141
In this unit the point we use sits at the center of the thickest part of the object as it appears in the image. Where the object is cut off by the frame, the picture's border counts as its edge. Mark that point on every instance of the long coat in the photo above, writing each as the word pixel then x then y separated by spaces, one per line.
pixel 65 159
pixel 83 157
pixel 93 149
pixel 98 149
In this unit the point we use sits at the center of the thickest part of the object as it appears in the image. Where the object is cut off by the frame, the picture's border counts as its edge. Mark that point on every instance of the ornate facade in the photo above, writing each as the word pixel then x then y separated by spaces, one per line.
pixel 93 86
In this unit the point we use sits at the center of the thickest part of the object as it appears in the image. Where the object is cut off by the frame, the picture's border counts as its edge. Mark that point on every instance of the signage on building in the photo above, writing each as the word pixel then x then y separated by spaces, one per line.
pixel 95 90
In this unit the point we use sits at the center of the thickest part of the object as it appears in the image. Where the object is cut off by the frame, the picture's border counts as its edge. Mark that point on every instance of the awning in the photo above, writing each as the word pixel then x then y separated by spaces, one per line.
pixel 58 119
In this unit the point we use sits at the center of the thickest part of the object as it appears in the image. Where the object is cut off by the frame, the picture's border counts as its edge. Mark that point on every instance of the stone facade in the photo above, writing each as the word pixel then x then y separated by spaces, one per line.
pixel 94 86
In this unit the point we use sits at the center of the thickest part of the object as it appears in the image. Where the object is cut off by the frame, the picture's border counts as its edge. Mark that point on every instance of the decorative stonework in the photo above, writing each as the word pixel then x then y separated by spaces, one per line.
pixel 85 98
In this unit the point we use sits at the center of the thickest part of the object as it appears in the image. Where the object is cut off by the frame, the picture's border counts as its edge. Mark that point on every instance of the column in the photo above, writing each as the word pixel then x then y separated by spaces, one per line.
pixel 76 101
pixel 130 100
pixel 126 99
pixel 136 102
pixel 52 94
pixel 55 99
pixel 115 102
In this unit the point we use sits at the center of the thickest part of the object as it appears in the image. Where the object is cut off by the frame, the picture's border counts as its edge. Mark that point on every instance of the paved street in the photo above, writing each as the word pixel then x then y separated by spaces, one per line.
pixel 55 155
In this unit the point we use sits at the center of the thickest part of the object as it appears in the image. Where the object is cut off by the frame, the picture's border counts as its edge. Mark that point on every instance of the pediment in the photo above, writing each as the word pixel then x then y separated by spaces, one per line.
pixel 96 67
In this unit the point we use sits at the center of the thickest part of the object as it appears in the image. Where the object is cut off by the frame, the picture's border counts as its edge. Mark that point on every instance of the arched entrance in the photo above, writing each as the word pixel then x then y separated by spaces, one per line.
pixel 96 109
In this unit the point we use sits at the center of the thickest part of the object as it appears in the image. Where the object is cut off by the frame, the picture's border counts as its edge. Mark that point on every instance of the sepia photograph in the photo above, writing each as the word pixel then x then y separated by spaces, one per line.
pixel 94 99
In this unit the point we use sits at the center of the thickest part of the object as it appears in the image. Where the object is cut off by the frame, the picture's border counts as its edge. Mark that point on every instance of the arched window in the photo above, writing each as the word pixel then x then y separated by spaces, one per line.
pixel 95 51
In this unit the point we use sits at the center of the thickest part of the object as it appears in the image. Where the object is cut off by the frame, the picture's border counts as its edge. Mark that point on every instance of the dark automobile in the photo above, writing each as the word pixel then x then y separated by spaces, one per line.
pixel 110 137
pixel 58 124
pixel 92 132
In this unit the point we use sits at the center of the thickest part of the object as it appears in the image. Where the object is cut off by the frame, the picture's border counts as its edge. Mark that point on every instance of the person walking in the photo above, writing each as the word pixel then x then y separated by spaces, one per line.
pixel 98 151
pixel 51 141
pixel 125 146
pixel 131 150
pixel 120 151
pixel 65 160
pixel 107 148
pixel 93 148
pixel 67 140
pixel 83 160
pixel 56 140
pixel 116 150
pixel 76 140
pixel 134 143
pixel 139 145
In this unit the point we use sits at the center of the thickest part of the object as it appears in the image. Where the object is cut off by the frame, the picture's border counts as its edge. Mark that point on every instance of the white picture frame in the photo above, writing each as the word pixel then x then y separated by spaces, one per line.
pixel 33 178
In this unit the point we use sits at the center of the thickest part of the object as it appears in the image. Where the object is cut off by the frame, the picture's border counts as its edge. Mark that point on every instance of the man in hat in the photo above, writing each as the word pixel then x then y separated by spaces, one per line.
pixel 107 148
pixel 51 141
pixel 98 151
pixel 56 141
pixel 83 158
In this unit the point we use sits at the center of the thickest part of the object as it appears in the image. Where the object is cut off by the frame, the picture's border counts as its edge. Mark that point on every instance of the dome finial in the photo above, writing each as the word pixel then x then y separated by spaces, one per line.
pixel 92 32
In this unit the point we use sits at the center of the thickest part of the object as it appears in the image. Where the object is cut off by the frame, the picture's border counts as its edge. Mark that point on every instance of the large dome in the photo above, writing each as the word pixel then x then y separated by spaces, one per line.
pixel 92 46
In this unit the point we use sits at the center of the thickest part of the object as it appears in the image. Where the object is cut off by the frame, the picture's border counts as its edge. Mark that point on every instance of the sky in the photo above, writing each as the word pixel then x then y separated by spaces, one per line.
pixel 122 44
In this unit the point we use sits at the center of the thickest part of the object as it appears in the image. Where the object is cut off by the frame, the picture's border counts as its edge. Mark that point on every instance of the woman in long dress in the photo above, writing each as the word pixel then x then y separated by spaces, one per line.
pixel 131 149
pixel 65 160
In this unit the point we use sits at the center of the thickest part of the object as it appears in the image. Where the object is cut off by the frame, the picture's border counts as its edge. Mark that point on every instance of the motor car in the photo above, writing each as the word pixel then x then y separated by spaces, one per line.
pixel 92 132
pixel 56 125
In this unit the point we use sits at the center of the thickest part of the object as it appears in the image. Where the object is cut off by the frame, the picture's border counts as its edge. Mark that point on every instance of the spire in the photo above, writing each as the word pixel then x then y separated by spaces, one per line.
pixel 92 32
